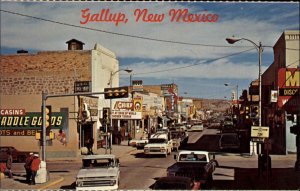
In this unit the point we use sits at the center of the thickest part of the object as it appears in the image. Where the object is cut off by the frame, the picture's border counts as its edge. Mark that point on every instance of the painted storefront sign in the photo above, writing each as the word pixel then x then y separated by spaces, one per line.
pixel 126 115
pixel 289 87
pixel 14 123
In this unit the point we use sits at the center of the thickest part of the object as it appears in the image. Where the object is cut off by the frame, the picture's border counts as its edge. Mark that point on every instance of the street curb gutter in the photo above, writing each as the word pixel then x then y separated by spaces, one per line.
pixel 51 184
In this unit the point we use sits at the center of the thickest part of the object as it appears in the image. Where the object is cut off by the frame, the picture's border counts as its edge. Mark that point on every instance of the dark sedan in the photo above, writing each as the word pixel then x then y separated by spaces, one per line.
pixel 229 141
pixel 18 156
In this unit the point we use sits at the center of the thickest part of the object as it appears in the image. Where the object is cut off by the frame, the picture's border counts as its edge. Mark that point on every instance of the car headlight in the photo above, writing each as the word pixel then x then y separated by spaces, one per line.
pixel 113 182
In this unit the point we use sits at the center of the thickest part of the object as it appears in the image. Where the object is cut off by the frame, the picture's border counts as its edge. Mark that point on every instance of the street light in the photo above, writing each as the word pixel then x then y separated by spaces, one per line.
pixel 260 50
pixel 110 84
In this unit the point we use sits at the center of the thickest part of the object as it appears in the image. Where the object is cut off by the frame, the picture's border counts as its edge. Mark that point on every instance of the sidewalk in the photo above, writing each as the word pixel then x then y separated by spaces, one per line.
pixel 18 181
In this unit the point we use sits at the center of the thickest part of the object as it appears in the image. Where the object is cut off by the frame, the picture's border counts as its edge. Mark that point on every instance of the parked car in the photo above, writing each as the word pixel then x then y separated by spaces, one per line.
pixel 175 183
pixel 197 127
pixel 18 156
pixel 227 128
pixel 141 143
pixel 229 141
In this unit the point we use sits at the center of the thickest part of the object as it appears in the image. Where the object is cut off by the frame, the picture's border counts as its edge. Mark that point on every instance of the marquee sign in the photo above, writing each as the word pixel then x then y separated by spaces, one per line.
pixel 126 115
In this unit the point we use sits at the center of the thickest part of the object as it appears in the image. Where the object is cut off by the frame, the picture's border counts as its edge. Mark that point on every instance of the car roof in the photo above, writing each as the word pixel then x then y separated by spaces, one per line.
pixel 92 157
pixel 195 152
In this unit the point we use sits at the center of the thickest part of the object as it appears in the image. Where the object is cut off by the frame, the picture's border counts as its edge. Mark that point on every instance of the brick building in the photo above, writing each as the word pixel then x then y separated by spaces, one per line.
pixel 23 78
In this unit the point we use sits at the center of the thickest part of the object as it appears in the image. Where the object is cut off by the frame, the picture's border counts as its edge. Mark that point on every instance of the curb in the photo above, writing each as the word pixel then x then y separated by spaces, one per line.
pixel 51 184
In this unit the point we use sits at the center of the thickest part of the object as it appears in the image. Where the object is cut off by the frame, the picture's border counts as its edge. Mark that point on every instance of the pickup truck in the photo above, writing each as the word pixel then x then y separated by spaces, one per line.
pixel 196 165
pixel 159 144
pixel 98 172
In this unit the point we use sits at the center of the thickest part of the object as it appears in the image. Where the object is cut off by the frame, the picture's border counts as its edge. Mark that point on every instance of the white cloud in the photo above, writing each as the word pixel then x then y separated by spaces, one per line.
pixel 219 69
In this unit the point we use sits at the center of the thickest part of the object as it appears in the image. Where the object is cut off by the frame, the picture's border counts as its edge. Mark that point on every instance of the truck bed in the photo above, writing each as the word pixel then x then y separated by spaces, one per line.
pixel 196 171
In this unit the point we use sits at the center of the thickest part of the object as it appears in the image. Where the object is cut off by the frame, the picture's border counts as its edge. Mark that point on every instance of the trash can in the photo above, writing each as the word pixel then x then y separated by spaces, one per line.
pixel 42 174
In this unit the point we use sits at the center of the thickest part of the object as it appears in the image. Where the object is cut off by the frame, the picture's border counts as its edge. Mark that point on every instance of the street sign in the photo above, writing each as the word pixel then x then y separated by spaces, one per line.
pixel 258 139
pixel 137 86
pixel 82 86
pixel 259 132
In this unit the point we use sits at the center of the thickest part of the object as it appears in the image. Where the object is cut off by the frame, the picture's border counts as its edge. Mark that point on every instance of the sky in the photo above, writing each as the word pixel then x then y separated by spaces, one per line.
pixel 193 55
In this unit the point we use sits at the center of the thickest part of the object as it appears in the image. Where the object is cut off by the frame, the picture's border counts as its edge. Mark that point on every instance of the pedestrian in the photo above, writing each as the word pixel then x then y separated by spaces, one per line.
pixel 119 136
pixel 129 138
pixel 35 165
pixel 90 146
pixel 27 165
pixel 62 137
pixel 9 162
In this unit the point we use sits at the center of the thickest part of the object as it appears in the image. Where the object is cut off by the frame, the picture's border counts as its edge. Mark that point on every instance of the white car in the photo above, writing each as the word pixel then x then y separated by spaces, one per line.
pixel 198 127
pixel 159 144
pixel 98 172
pixel 141 143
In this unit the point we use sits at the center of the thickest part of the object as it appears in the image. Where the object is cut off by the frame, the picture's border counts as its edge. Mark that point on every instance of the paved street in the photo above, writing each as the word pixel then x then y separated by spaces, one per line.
pixel 235 171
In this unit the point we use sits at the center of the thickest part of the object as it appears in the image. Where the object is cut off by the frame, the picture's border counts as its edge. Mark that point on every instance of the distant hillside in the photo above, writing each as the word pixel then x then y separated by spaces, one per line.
pixel 212 104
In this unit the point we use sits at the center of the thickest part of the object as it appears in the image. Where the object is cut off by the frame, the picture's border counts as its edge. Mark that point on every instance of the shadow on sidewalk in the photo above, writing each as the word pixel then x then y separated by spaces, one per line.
pixel 248 178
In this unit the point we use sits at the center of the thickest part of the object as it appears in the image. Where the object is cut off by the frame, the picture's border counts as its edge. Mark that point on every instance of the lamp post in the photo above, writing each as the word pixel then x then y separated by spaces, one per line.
pixel 260 50
pixel 112 74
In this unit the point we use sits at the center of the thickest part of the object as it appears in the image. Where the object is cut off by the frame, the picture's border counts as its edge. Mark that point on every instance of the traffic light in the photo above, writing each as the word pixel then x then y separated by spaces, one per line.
pixel 51 135
pixel 112 93
pixel 38 135
pixel 48 109
pixel 247 112
pixel 254 112
pixel 105 116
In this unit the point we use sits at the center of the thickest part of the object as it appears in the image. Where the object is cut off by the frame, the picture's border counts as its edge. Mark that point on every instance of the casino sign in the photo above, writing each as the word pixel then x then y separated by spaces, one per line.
pixel 23 123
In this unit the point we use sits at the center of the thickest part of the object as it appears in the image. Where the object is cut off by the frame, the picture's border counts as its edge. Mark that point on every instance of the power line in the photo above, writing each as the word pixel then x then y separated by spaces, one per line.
pixel 191 65
pixel 132 36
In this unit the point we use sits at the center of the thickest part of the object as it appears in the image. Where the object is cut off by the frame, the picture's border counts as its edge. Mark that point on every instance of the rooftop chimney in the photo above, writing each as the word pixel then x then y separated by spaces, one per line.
pixel 74 44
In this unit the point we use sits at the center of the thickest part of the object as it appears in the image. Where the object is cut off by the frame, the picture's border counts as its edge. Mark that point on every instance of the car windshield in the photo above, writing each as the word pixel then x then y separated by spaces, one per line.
pixel 157 141
pixel 97 163
pixel 175 135
pixel 193 157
